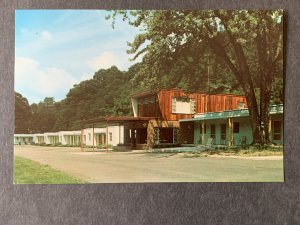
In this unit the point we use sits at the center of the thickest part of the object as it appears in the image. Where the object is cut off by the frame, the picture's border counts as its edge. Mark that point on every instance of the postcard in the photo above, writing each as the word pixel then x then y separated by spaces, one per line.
pixel 135 96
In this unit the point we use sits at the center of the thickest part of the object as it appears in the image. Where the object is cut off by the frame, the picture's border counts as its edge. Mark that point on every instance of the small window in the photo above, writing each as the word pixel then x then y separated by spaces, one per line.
pixel 84 138
pixel 223 131
pixel 89 137
pixel 110 136
pixel 213 131
pixel 277 131
pixel 241 105
pixel 236 127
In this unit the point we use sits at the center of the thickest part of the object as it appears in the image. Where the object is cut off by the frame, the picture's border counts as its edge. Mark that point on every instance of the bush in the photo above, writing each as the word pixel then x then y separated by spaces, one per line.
pixel 121 148
pixel 123 144
pixel 166 145
pixel 101 146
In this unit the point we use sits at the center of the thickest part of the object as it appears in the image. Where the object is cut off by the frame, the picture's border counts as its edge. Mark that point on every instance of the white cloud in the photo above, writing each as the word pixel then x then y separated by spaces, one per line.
pixel 47 35
pixel 106 60
pixel 85 77
pixel 35 82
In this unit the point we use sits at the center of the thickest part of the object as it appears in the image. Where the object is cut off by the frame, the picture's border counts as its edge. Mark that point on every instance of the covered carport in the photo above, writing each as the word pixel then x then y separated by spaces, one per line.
pixel 135 129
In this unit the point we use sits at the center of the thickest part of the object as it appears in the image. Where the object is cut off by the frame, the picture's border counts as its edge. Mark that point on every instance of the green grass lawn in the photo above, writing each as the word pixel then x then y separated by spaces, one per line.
pixel 29 172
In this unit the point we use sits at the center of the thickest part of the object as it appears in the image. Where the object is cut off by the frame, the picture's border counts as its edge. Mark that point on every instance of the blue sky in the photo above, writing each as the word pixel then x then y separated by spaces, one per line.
pixel 55 49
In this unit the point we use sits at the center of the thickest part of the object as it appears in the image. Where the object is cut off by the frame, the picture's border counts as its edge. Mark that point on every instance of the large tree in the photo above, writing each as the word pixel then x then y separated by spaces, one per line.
pixel 22 114
pixel 43 116
pixel 249 43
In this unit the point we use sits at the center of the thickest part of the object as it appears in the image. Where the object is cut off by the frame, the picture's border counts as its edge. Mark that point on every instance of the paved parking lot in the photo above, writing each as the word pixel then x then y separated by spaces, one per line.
pixel 139 166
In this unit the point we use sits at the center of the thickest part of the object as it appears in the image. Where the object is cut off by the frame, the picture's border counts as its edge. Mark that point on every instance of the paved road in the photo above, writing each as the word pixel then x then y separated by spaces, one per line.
pixel 122 167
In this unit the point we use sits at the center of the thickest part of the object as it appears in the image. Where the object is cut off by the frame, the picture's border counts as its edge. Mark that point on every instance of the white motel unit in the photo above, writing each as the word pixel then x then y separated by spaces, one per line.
pixel 23 139
pixel 112 135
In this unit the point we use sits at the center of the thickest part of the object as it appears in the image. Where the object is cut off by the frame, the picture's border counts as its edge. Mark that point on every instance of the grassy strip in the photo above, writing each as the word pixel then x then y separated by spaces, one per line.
pixel 236 152
pixel 29 172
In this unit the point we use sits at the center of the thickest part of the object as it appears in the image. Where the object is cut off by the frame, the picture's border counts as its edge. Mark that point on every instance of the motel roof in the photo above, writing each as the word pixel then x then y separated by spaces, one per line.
pixel 23 135
pixel 274 109
pixel 154 91
pixel 117 119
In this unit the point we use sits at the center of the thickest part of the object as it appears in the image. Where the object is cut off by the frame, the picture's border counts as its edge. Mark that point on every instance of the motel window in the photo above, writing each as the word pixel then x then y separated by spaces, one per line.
pixel 176 135
pixel 236 127
pixel 277 131
pixel 213 131
pixel 110 136
pixel 223 131
pixel 241 105
pixel 183 105
pixel 89 137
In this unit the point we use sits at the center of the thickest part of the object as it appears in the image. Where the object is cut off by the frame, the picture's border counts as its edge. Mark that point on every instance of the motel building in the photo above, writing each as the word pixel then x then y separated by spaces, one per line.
pixel 157 114
pixel 112 135
pixel 38 138
pixel 168 117
pixel 229 127
pixel 23 139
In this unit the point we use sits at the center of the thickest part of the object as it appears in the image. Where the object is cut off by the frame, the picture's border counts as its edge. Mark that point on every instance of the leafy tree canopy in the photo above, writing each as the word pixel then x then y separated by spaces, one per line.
pixel 178 46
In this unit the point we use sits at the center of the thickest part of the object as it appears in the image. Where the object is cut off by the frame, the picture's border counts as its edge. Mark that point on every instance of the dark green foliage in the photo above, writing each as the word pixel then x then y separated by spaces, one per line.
pixel 23 114
pixel 212 50
pixel 106 94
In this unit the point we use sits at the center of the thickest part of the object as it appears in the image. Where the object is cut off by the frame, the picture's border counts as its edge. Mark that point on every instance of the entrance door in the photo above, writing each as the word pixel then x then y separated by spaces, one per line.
pixel 166 135
pixel 223 135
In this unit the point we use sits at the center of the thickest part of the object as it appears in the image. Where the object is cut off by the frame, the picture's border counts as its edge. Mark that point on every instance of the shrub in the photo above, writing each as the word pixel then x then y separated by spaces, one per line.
pixel 166 145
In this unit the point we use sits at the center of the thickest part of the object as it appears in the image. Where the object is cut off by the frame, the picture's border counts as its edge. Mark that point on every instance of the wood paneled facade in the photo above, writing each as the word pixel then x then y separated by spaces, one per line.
pixel 159 103
pixel 162 105
pixel 157 114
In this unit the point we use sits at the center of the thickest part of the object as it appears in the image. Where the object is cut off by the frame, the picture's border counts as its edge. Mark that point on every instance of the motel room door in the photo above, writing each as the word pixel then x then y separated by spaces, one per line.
pixel 101 139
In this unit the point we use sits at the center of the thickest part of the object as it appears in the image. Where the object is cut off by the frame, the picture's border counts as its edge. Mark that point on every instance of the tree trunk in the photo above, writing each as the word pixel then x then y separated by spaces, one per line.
pixel 254 115
pixel 265 97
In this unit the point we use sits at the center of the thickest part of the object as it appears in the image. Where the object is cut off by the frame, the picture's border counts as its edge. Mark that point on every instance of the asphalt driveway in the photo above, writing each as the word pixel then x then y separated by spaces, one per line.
pixel 138 166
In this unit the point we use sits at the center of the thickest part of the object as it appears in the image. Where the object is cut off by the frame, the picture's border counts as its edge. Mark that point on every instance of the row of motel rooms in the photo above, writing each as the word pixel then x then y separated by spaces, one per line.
pixel 169 116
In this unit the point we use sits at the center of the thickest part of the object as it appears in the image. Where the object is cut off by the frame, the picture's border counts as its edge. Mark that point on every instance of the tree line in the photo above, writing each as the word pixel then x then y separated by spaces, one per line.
pixel 105 94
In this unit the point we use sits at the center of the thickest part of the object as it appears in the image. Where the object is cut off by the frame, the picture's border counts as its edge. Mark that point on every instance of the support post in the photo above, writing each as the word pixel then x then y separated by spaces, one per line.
pixel 106 144
pixel 93 138
pixel 230 127
pixel 82 139
pixel 202 132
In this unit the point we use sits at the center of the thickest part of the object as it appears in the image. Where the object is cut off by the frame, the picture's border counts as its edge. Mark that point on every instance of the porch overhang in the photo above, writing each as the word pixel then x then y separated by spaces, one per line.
pixel 274 109
pixel 117 119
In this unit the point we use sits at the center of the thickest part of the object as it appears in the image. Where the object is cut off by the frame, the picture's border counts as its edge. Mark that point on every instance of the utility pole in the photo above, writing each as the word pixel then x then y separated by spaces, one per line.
pixel 208 81
pixel 208 86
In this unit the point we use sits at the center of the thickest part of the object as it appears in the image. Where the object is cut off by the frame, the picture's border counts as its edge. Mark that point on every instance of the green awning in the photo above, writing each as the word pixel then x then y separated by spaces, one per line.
pixel 274 109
